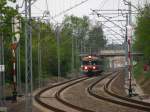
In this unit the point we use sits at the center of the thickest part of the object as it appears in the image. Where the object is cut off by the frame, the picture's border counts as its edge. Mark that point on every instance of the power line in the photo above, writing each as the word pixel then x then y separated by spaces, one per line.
pixel 76 5
pixel 113 10
pixel 32 3
pixel 100 15
pixel 112 30
pixel 104 2
pixel 113 20
pixel 21 4
pixel 114 35
pixel 48 12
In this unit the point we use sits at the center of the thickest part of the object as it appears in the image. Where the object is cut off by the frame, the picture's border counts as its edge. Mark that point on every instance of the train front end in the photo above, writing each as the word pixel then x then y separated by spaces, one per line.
pixel 90 66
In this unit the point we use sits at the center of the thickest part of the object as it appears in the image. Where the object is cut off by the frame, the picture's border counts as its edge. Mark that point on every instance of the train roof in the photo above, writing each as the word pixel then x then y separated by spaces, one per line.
pixel 92 58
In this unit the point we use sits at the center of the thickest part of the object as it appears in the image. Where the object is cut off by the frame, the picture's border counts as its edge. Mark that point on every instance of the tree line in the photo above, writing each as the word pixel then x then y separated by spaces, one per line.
pixel 87 38
pixel 142 32
pixel 142 41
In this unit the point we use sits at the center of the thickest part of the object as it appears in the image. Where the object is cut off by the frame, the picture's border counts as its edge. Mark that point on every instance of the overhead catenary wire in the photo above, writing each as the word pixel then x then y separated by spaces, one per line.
pixel 103 3
pixel 113 30
pixel 100 15
pixel 21 6
pixel 32 3
pixel 117 38
pixel 48 12
pixel 76 5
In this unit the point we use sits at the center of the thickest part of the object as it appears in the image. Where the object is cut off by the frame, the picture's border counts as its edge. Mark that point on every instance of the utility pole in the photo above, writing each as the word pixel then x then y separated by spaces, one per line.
pixel 1 85
pixel 28 56
pixel 16 41
pixel 58 51
pixel 129 35
pixel 72 60
pixel 19 87
pixel 126 48
pixel 113 48
pixel 14 47
pixel 76 53
pixel 16 58
pixel 17 27
pixel 39 56
pixel 2 71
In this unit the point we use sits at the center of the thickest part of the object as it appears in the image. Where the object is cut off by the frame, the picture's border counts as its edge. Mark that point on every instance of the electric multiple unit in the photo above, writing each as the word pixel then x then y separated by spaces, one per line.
pixel 91 65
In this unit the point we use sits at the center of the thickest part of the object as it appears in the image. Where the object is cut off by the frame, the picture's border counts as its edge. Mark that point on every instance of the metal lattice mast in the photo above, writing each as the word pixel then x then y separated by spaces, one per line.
pixel 28 55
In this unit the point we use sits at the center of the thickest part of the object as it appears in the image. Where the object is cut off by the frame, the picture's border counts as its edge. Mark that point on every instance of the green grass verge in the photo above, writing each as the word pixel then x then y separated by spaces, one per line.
pixel 139 70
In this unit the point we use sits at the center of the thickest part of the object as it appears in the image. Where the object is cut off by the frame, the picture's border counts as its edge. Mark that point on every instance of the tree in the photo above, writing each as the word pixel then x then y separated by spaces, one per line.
pixel 142 32
pixel 74 28
pixel 97 40
pixel 6 15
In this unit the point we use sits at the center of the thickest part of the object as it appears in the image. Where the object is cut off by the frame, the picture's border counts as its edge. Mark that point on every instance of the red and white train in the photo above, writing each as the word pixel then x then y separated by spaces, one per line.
pixel 91 65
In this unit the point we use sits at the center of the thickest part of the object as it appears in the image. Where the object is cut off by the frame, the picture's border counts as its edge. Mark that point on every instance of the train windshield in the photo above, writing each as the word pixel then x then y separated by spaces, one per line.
pixel 90 62
pixel 94 62
pixel 86 63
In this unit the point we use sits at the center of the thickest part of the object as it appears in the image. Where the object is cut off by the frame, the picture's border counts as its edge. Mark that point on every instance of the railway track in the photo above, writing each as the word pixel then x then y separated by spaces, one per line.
pixel 116 98
pixel 58 98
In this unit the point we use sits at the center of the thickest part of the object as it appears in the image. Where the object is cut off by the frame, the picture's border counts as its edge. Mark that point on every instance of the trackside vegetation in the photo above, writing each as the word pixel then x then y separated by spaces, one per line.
pixel 142 44
pixel 78 28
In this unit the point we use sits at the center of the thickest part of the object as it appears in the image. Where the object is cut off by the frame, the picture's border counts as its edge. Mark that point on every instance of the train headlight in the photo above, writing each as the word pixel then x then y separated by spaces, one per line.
pixel 89 57
pixel 85 67
pixel 94 67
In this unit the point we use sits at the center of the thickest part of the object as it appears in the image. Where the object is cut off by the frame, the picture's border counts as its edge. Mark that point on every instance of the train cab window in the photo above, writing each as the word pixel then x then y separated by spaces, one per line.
pixel 85 63
pixel 94 62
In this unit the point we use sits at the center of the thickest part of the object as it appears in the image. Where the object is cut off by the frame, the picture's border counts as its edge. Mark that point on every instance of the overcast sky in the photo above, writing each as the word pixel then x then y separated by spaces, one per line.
pixel 57 6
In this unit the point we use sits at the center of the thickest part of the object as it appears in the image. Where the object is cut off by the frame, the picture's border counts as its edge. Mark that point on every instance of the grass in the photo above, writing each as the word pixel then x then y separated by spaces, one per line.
pixel 139 70
pixel 142 77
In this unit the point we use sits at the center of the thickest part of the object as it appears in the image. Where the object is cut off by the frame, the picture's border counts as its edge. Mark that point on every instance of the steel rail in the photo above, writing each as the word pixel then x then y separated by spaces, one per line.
pixel 37 96
pixel 124 101
pixel 58 97
pixel 144 105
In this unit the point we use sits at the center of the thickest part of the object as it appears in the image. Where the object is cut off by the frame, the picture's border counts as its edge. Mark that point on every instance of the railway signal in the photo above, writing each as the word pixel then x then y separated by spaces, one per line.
pixel 14 46
pixel 129 38
pixel 129 59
